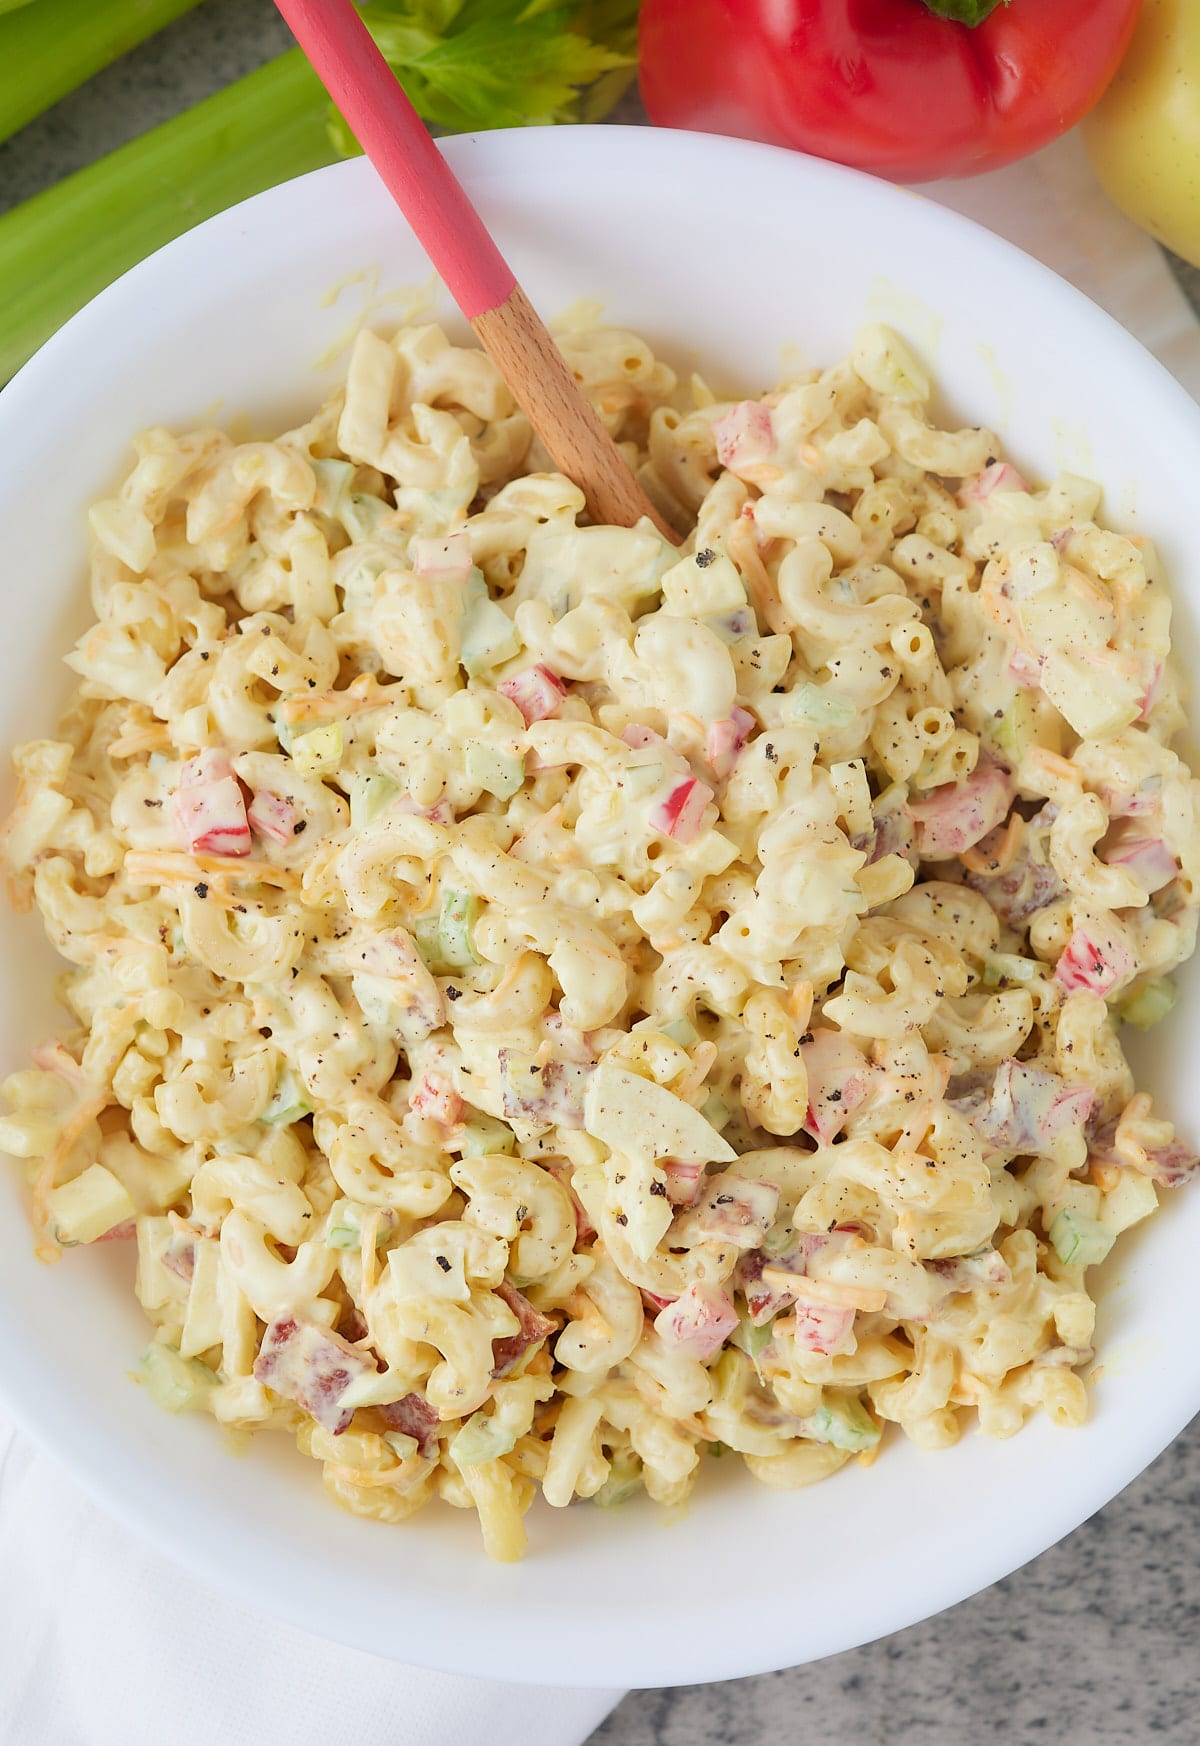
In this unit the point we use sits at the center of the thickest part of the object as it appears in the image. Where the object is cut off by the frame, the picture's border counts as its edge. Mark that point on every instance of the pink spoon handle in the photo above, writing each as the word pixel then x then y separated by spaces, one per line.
pixel 390 131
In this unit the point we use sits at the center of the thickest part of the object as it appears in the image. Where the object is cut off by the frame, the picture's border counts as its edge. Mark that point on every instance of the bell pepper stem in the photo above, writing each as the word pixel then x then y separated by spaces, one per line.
pixel 970 12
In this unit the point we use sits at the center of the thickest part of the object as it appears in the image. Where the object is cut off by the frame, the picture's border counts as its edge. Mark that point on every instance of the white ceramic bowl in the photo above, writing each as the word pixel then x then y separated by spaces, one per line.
pixel 717 251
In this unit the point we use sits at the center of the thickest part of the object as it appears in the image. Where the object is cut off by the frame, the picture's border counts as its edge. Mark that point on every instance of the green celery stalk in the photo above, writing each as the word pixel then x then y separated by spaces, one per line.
pixel 65 245
pixel 55 46
pixel 466 64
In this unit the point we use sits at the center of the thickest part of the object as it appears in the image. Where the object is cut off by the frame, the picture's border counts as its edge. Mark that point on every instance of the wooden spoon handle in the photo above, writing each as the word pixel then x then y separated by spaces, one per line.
pixel 354 72
pixel 515 337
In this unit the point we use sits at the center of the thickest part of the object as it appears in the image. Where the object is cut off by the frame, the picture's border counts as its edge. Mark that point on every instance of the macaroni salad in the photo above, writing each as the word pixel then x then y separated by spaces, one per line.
pixel 549 1006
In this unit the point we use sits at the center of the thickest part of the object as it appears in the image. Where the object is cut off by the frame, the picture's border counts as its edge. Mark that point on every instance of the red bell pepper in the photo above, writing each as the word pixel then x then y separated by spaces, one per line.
pixel 910 89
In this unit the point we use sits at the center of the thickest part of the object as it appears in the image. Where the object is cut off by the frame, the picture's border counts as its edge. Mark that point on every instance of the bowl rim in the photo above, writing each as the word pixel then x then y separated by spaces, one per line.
pixel 152 1512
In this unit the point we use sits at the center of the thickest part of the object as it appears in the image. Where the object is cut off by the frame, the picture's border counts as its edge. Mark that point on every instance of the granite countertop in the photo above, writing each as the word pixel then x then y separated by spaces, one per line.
pixel 1094 1643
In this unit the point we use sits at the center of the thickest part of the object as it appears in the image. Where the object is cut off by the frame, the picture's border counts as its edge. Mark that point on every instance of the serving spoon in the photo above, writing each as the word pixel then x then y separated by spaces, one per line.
pixel 358 78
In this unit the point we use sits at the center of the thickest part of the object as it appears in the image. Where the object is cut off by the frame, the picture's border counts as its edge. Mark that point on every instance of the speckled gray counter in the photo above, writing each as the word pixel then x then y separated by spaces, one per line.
pixel 1097 1643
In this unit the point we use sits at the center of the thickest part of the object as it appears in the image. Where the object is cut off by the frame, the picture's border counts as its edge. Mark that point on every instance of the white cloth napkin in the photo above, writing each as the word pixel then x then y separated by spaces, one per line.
pixel 104 1643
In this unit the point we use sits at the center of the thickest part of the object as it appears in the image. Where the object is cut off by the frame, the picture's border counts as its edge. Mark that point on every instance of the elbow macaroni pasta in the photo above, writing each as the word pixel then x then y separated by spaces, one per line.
pixel 548 1005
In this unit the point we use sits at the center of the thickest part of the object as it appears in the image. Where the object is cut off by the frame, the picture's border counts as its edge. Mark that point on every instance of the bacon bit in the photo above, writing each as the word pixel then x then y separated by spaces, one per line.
pixel 683 1180
pixel 725 739
pixel 449 556
pixel 744 435
pixel 548 1093
pixel 508 1352
pixel 699 1322
pixel 1116 1145
pixel 960 814
pixel 763 1301
pixel 968 1272
pixel 1021 889
pixel 433 1097
pixel 1085 965
pixel 273 817
pixel 413 1417
pixel 680 814
pixel 309 1364
pixel 1001 476
pixel 209 807
pixel 536 691
pixel 1173 1164
pixel 1026 1109
pixel 734 1209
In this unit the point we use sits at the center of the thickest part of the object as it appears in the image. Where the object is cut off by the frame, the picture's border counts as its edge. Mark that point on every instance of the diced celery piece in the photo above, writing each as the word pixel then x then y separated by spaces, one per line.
pixel 715 1112
pixel 818 705
pixel 91 1204
pixel 376 998
pixel 289 1103
pixel 283 733
pixel 443 936
pixel 1001 967
pixel 399 1444
pixel 750 1339
pixel 845 1422
pixel 681 1031
pixel 1080 1241
pixel 458 913
pixel 425 932
pixel 483 1134
pixel 496 772
pixel 180 1385
pixel 1016 730
pixel 363 515
pixel 481 1439
pixel 370 794
pixel 1143 1007
pixel 624 1478
pixel 359 584
pixel 318 749
pixel 344 1230
pixel 642 779
pixel 778 1239
pixel 488 634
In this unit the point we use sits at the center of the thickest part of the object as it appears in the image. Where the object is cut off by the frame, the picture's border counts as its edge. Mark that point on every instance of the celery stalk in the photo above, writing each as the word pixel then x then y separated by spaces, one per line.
pixel 466 64
pixel 58 44
pixel 65 245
